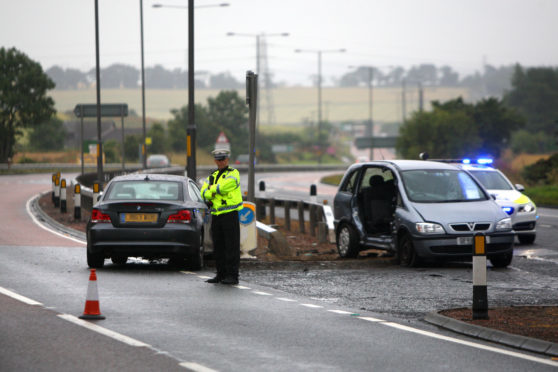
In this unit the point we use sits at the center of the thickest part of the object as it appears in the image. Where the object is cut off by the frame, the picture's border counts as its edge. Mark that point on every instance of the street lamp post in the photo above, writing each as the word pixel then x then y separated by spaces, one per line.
pixel 144 160
pixel 319 53
pixel 190 170
pixel 258 38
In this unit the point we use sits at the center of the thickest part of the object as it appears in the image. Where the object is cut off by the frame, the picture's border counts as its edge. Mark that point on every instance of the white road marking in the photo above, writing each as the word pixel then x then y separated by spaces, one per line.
pixel 196 367
pixel 367 318
pixel 241 287
pixel 343 312
pixel 471 344
pixel 261 293
pixel 312 306
pixel 285 299
pixel 42 226
pixel 18 297
pixel 104 331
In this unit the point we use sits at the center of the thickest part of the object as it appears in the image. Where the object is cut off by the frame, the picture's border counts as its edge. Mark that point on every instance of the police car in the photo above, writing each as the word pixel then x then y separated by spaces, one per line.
pixel 517 205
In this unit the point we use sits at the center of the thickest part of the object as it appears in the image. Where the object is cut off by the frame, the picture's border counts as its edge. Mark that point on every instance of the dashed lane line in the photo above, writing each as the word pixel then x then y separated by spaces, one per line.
pixel 401 327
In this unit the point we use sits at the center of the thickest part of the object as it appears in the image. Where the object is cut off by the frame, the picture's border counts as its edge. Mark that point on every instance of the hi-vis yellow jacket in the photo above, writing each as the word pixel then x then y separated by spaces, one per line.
pixel 223 192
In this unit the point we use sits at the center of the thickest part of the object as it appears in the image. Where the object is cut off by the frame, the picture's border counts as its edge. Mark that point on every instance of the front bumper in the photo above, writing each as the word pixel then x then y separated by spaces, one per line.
pixel 447 246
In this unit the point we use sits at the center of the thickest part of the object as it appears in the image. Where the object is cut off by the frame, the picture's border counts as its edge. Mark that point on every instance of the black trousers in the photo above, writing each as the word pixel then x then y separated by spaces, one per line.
pixel 225 231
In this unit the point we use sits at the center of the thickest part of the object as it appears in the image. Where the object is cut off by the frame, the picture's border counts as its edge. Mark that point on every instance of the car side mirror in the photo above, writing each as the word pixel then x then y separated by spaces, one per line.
pixel 519 187
pixel 493 196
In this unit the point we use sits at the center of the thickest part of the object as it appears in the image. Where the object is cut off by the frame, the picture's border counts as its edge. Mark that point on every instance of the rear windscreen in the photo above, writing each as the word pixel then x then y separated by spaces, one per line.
pixel 144 190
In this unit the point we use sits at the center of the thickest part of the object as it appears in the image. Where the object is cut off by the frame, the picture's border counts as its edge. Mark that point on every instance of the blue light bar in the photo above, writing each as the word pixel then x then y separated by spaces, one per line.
pixel 484 161
pixel 466 161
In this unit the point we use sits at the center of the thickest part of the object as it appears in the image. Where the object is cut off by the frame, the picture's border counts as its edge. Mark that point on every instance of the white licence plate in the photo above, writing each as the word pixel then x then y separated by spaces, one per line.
pixel 468 240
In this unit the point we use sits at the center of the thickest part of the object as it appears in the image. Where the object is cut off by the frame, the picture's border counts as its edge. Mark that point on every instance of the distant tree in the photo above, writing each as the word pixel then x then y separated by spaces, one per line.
pixel 118 76
pixel 427 74
pixel 158 77
pixel 534 94
pixel 395 76
pixel 448 78
pixel 67 79
pixel 457 129
pixel 112 150
pixel 23 97
pixel 131 147
pixel 158 139
pixel 229 113
pixel 176 128
pixel 48 135
pixel 224 80
pixel 497 80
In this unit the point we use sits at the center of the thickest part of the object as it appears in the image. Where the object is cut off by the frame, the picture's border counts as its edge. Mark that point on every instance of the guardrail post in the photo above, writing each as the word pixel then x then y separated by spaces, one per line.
pixel 480 296
pixel 63 208
pixel 77 202
pixel 262 189
pixel 312 220
pixel 288 215
pixel 272 211
pixel 57 192
pixel 300 207
pixel 53 186
pixel 313 193
pixel 260 209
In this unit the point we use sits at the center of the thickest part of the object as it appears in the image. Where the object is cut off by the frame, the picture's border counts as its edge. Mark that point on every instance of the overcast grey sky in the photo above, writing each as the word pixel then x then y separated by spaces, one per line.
pixel 458 33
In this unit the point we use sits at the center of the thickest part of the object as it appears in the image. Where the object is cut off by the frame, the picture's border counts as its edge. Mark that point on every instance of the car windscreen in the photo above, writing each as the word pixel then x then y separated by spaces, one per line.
pixel 491 180
pixel 441 186
pixel 144 190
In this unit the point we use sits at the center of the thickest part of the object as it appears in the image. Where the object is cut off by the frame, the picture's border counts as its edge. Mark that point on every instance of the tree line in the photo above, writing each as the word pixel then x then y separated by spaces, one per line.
pixel 493 81
pixel 124 76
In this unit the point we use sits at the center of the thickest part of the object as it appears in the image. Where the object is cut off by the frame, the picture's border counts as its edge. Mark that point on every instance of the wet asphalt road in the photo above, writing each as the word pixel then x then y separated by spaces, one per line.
pixel 182 316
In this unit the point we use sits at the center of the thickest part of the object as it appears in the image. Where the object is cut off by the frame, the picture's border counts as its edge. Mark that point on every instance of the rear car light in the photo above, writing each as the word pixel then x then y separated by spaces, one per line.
pixel 183 216
pixel 98 217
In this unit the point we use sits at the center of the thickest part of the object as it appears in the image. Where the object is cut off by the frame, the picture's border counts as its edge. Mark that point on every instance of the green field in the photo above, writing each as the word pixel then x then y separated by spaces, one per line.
pixel 292 105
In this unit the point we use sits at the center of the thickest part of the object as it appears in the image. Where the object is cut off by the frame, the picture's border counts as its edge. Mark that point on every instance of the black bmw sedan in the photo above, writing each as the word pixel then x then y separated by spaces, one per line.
pixel 150 216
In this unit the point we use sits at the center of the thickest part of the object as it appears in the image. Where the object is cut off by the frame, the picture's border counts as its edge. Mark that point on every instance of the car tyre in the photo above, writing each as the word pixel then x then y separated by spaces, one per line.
pixel 95 260
pixel 501 261
pixel 347 241
pixel 527 238
pixel 195 261
pixel 406 252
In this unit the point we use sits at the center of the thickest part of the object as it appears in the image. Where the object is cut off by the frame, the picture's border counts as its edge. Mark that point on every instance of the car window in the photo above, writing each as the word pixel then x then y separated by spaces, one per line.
pixel 351 182
pixel 194 192
pixel 441 186
pixel 144 190
pixel 491 180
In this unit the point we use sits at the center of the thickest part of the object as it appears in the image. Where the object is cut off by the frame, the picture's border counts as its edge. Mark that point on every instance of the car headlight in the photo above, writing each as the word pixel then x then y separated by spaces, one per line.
pixel 526 208
pixel 429 228
pixel 504 224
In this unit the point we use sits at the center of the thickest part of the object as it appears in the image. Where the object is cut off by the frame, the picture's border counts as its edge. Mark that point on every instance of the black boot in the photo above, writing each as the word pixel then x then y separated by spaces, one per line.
pixel 216 279
pixel 229 280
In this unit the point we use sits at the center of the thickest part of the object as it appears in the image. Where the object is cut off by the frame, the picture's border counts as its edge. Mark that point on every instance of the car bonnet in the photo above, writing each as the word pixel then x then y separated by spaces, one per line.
pixel 444 213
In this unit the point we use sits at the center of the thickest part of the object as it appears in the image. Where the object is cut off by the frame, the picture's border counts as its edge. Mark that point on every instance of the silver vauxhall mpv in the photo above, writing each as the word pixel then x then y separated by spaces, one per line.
pixel 419 210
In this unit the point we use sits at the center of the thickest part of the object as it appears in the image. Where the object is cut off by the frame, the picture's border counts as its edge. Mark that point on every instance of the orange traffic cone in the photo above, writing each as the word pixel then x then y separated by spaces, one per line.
pixel 92 309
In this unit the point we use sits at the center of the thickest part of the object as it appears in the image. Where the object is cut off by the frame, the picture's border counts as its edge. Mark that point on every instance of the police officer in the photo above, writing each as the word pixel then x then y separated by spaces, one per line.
pixel 221 191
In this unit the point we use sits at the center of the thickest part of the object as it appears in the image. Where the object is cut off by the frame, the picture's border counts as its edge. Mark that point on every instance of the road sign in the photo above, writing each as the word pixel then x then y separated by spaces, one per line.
pixel 375 142
pixel 222 142
pixel 107 110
